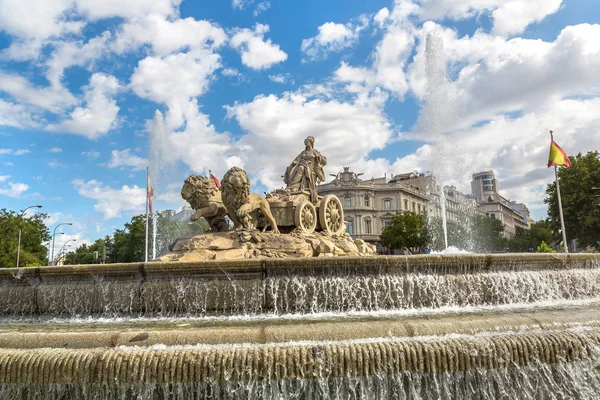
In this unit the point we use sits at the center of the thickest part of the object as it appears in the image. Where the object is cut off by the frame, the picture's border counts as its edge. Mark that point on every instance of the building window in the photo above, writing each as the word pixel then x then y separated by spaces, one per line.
pixel 414 207
pixel 387 204
pixel 368 229
pixel 367 201
pixel 493 216
pixel 347 202
pixel 387 222
pixel 405 205
pixel 350 227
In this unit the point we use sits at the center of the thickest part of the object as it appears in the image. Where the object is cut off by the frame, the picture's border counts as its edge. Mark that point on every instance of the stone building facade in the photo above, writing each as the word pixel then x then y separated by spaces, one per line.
pixel 484 188
pixel 369 205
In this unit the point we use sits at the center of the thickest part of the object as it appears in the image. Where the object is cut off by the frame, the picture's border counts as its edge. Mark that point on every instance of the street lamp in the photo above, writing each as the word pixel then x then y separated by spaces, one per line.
pixel 53 237
pixel 19 245
pixel 63 246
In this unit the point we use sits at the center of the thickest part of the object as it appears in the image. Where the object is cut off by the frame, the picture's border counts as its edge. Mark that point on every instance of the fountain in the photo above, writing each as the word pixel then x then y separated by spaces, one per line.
pixel 279 324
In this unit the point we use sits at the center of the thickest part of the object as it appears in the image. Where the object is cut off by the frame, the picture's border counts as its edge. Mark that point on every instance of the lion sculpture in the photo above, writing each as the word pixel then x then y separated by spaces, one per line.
pixel 244 207
pixel 204 197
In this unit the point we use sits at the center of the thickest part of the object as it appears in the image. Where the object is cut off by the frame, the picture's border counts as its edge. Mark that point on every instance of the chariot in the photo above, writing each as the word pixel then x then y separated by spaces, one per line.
pixel 294 210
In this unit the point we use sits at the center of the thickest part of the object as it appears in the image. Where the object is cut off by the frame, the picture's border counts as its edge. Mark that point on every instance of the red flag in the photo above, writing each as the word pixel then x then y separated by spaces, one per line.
pixel 215 180
pixel 150 194
pixel 558 156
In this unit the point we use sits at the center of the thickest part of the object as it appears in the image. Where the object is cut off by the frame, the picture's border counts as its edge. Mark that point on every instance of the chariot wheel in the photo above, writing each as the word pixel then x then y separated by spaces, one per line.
pixel 305 217
pixel 331 215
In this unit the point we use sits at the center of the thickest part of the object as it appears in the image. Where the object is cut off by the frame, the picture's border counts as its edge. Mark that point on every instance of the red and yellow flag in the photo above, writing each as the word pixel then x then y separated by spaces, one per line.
pixel 558 156
pixel 150 193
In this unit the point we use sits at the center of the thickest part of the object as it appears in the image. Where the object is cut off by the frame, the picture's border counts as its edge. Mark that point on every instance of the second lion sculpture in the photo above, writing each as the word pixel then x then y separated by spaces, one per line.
pixel 243 207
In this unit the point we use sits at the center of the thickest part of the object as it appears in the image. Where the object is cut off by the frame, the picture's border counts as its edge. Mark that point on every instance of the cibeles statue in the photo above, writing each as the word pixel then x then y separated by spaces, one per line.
pixel 306 170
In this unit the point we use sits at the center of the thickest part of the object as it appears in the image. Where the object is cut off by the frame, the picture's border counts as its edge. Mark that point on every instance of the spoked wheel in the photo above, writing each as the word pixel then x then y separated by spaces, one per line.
pixel 331 215
pixel 305 217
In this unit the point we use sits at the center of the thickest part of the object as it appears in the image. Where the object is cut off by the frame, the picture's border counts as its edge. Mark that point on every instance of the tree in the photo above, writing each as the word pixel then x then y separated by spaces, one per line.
pixel 84 254
pixel 458 233
pixel 486 234
pixel 169 231
pixel 33 235
pixel 580 206
pixel 408 231
pixel 129 242
pixel 528 240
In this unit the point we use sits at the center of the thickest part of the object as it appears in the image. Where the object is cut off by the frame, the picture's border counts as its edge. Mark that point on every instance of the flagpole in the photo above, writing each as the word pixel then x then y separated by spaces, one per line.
pixel 146 240
pixel 560 210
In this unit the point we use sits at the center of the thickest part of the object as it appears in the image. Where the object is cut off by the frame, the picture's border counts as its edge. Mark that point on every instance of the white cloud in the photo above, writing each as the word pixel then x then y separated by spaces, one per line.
pixel 332 37
pixel 19 152
pixel 49 98
pixel 256 52
pixel 240 4
pixel 112 202
pixel 496 76
pixel 35 24
pixel 509 16
pixel 345 132
pixel 55 150
pixel 12 189
pixel 282 78
pixel 124 158
pixel 261 7
pixel 100 114
pixel 169 36
pixel 91 154
pixel 16 115
pixel 175 79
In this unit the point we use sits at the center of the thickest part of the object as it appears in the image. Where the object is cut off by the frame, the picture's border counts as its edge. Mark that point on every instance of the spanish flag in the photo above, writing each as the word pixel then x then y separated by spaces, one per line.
pixel 150 192
pixel 558 156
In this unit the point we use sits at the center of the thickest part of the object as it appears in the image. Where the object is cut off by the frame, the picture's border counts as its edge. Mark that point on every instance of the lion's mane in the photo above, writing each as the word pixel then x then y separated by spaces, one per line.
pixel 204 191
pixel 233 195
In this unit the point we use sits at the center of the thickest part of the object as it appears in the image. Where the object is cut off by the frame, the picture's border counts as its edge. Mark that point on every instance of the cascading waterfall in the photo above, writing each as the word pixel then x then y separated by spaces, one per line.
pixel 460 326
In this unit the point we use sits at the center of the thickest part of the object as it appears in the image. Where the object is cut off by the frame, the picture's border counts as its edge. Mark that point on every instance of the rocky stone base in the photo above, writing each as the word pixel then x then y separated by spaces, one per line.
pixel 248 244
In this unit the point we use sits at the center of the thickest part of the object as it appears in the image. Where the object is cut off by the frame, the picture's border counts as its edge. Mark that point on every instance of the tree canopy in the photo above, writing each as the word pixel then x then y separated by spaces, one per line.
pixel 34 234
pixel 529 240
pixel 408 232
pixel 580 205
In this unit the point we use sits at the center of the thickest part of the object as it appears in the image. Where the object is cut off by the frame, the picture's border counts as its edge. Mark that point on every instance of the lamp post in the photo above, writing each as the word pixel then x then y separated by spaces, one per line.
pixel 64 246
pixel 19 243
pixel 53 237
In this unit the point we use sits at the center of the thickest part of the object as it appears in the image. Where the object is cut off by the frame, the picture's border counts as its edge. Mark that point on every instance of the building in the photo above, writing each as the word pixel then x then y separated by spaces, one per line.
pixel 168 213
pixel 184 215
pixel 484 188
pixel 370 205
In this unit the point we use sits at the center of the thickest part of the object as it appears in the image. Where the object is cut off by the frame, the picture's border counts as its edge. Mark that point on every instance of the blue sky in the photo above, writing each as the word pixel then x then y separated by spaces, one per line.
pixel 384 87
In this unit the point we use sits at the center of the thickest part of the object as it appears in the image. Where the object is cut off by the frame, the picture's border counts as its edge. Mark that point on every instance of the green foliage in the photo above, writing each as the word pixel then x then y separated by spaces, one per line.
pixel 528 240
pixel 129 242
pixel 408 231
pixel 580 206
pixel 33 235
pixel 458 233
pixel 169 231
pixel 543 248
pixel 85 254
pixel 486 235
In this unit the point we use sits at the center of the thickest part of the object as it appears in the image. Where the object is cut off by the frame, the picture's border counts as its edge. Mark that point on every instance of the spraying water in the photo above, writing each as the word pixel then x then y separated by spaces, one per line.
pixel 436 119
